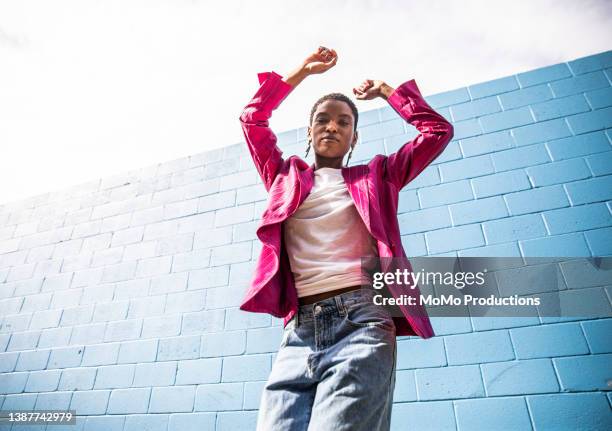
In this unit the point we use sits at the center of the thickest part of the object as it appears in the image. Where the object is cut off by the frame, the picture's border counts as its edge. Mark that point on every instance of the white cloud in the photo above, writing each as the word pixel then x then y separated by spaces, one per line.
pixel 91 88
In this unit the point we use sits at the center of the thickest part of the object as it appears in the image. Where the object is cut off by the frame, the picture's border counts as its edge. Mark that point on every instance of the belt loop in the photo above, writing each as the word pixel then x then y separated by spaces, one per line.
pixel 340 305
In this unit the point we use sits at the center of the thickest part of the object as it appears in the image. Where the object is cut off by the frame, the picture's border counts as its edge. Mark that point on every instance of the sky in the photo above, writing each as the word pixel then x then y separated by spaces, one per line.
pixel 90 89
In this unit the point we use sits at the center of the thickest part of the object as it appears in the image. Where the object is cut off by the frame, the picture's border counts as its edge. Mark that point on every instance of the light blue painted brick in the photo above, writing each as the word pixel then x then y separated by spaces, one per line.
pixel 476 108
pixel 408 201
pixel 172 399
pixel 487 323
pixel 478 210
pixel 238 319
pixel 32 360
pixel 587 411
pixel 137 351
pixel 569 245
pixel 246 368
pixel 489 143
pixel 114 376
pixel 11 383
pixel 579 218
pixel 451 152
pixel 366 151
pixel 466 129
pixel 449 383
pixel 19 402
pixel 493 87
pixel 560 107
pixel 541 132
pixel 466 168
pixel 558 172
pixel 89 402
pixel 590 63
pixel 492 414
pixel 584 373
pixel 88 334
pixel 127 401
pixel 544 341
pixel 514 228
pixel 519 158
pixel 591 190
pixel 53 401
pixel 520 377
pixel 66 357
pixel 252 394
pixel 192 422
pixel 598 335
pixel 77 379
pixel 123 330
pixel 506 120
pixel 223 344
pixel 161 326
pixel 405 389
pixel 186 347
pixel 8 361
pixel 394 143
pixel 45 319
pixel 157 422
pixel 101 354
pixel 488 346
pixel 23 341
pixel 456 191
pixel 536 200
pixel 199 371
pixel 428 177
pixel 43 381
pixel 446 325
pixel 105 423
pixel 600 164
pixel 414 245
pixel 263 340
pixel 185 302
pixel 116 310
pixel 544 75
pixel 600 241
pixel 455 238
pixel 154 374
pixel 526 96
pixel 590 121
pixel 236 421
pixel 381 130
pixel 581 145
pixel 424 220
pixel 414 353
pixel 430 416
pixel 203 321
pixel 54 337
pixel 601 98
pixel 219 397
pixel 579 84
pixel 143 307
pixel 448 98
pixel 369 117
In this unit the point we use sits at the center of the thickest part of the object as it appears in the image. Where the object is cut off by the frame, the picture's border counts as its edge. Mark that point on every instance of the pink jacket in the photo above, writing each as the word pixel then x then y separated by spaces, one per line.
pixel 374 189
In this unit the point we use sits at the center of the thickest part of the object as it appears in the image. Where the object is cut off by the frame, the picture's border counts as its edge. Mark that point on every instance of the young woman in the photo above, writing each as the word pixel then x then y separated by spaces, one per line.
pixel 335 367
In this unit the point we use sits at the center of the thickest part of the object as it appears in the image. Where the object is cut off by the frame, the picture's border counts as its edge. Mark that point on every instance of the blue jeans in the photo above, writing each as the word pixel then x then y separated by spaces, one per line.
pixel 335 368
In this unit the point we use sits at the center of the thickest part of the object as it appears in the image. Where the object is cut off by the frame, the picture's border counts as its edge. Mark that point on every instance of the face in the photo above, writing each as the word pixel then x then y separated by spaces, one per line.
pixel 332 129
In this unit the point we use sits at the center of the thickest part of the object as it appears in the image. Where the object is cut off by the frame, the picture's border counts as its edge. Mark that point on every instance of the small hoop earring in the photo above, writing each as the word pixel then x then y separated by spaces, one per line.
pixel 307 149
pixel 349 157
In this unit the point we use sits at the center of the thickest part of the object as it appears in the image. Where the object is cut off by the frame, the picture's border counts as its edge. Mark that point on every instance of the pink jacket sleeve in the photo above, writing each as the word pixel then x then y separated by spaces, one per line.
pixel 260 139
pixel 436 132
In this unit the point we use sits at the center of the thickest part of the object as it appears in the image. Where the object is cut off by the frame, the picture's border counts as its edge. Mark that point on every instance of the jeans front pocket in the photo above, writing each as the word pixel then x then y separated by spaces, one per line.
pixel 367 315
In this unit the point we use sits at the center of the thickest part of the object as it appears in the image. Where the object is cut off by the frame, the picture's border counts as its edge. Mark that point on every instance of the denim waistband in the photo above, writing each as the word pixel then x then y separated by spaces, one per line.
pixel 335 304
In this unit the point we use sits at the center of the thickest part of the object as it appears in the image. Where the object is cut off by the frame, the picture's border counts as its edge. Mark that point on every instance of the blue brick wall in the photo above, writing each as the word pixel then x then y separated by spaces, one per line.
pixel 119 297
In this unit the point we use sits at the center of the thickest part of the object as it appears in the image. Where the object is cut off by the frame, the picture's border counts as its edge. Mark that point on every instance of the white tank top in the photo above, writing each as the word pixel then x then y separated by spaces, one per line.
pixel 326 238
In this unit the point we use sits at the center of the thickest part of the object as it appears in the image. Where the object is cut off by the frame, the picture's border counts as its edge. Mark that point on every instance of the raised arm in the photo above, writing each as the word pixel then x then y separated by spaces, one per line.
pixel 435 132
pixel 254 119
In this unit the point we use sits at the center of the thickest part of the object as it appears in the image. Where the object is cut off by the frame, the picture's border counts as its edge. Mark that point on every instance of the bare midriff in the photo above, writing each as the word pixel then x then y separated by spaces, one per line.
pixel 311 299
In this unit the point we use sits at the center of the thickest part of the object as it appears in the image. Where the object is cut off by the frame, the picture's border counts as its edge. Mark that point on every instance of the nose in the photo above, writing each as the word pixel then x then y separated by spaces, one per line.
pixel 331 126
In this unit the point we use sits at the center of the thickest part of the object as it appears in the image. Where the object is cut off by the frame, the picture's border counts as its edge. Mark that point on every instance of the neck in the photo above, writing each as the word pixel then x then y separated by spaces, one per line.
pixel 328 162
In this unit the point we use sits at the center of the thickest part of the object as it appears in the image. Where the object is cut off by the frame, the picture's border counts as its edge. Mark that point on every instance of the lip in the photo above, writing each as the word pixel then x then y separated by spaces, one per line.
pixel 329 138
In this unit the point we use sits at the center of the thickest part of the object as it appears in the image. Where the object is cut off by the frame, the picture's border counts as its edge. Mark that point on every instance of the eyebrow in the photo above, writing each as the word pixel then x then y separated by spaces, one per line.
pixel 341 115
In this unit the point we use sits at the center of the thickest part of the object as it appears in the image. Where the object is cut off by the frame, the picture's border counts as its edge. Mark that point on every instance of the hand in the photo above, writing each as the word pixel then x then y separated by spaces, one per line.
pixel 320 61
pixel 369 89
